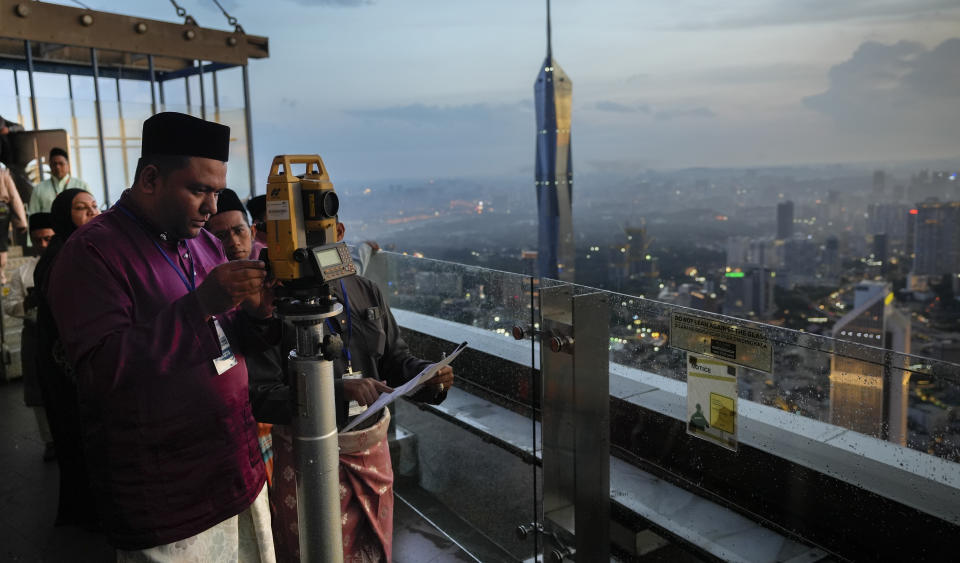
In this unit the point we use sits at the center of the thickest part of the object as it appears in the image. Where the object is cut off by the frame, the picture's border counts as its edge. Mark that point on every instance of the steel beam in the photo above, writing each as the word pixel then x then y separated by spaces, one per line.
pixel 191 70
pixel 80 69
pixel 77 69
pixel 68 25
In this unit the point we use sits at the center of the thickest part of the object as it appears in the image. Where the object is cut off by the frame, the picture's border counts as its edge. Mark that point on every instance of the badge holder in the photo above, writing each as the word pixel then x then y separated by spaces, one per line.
pixel 354 408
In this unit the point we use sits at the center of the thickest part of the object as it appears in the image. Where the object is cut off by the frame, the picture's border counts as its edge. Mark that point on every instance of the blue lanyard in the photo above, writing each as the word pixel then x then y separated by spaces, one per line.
pixel 346 307
pixel 190 284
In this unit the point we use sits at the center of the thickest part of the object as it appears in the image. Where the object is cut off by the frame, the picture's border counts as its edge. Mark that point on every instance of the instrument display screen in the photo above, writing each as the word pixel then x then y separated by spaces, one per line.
pixel 328 257
pixel 332 261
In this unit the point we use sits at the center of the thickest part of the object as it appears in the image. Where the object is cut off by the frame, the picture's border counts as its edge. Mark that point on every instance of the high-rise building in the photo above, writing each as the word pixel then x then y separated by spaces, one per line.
pixel 937 238
pixel 637 261
pixel 911 237
pixel 879 182
pixel 784 220
pixel 553 93
pixel 738 251
pixel 830 259
pixel 749 293
pixel 871 396
pixel 747 252
pixel 798 259
pixel 834 208
pixel 881 251
pixel 889 219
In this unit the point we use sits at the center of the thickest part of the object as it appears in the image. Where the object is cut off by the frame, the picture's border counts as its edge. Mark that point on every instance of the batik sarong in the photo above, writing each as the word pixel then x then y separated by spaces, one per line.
pixel 366 494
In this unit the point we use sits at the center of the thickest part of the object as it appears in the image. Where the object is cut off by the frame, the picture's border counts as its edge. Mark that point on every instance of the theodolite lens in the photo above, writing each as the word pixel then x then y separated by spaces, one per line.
pixel 330 204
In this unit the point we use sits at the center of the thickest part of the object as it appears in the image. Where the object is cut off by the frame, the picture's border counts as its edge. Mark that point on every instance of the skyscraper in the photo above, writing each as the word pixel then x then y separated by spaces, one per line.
pixel 871 396
pixel 879 183
pixel 785 220
pixel 553 93
pixel 937 238
pixel 638 263
pixel 749 293
pixel 889 219
pixel 830 262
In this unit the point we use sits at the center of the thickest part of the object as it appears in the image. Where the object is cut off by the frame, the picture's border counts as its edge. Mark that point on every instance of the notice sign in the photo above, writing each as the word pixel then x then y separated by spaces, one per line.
pixel 712 400
pixel 742 345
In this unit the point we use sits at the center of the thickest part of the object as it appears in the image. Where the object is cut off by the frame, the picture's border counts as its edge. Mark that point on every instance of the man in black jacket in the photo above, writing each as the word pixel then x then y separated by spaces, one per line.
pixel 375 358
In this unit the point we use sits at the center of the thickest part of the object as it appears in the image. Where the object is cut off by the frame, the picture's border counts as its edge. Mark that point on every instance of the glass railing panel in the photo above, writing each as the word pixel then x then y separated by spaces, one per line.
pixel 932 401
pixel 888 410
pixel 851 385
pixel 846 423
pixel 478 458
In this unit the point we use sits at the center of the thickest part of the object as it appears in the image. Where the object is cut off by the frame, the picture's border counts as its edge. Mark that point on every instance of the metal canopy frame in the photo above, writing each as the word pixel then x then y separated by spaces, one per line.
pixel 78 69
pixel 57 39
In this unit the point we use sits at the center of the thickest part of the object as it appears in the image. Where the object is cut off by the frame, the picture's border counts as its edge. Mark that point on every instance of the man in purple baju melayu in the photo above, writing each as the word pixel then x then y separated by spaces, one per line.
pixel 156 322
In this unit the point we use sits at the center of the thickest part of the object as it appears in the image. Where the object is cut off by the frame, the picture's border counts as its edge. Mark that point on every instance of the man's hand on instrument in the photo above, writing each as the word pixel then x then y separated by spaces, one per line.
pixel 261 305
pixel 230 284
pixel 365 390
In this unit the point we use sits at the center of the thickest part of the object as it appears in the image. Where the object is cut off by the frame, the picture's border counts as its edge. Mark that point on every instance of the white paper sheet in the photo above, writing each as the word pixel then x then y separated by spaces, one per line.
pixel 407 388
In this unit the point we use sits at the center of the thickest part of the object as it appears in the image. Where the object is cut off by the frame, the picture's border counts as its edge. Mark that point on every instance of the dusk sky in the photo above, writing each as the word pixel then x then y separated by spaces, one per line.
pixel 387 89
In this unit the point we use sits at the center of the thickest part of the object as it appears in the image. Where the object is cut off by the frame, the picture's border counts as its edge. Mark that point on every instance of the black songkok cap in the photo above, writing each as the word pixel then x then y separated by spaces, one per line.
pixel 229 201
pixel 257 206
pixel 179 134
pixel 41 220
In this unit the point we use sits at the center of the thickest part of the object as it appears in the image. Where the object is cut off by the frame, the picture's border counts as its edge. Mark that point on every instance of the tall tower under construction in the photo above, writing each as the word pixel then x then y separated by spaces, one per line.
pixel 553 93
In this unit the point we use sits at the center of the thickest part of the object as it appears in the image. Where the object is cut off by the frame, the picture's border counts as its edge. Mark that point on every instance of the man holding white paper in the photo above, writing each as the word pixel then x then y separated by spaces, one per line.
pixel 412 387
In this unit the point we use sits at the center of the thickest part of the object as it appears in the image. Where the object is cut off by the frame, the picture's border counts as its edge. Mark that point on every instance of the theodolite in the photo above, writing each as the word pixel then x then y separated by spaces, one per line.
pixel 303 255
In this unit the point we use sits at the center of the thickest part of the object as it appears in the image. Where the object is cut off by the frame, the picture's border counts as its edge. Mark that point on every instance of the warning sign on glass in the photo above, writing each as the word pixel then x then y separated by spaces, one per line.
pixel 739 344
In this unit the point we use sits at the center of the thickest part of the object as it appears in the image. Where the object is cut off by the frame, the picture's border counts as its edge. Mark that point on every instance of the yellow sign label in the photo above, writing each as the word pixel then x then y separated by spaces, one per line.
pixel 722 412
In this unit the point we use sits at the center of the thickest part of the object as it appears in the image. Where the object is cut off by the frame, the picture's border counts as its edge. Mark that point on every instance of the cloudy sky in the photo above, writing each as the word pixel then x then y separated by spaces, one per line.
pixel 388 89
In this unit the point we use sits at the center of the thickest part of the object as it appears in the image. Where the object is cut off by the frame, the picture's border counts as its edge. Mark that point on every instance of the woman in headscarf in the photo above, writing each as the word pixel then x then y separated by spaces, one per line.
pixel 72 209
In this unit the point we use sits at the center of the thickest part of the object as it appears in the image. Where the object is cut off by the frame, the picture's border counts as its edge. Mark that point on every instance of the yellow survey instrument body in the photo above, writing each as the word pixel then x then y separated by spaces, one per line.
pixel 301 213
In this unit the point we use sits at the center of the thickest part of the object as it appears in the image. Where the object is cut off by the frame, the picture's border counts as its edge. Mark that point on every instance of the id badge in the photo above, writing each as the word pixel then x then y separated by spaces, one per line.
pixel 226 360
pixel 354 408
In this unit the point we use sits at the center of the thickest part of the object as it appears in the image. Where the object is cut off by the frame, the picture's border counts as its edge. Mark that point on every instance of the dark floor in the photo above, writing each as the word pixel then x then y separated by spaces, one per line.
pixel 28 497
pixel 28 494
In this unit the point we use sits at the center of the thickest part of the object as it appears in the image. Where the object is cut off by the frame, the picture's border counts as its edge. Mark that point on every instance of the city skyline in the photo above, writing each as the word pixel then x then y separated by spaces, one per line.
pixel 432 89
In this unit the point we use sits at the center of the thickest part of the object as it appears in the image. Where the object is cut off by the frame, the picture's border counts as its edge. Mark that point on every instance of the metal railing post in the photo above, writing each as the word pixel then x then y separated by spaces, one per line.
pixel 216 98
pixel 123 134
pixel 33 103
pixel 249 126
pixel 96 103
pixel 153 81
pixel 203 96
pixel 75 127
